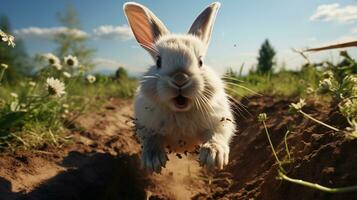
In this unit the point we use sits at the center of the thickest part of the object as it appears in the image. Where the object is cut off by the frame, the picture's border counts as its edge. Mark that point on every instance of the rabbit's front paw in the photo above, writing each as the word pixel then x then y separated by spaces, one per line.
pixel 154 158
pixel 214 155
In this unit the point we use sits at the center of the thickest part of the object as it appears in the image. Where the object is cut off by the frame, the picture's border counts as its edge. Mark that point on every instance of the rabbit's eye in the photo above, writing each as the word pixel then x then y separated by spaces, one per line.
pixel 158 62
pixel 200 62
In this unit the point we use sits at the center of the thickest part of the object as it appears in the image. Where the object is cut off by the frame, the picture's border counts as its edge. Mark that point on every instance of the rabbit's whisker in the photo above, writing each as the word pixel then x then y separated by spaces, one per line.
pixel 207 107
pixel 202 108
pixel 229 78
pixel 235 101
pixel 206 100
pixel 243 87
pixel 150 77
pixel 226 87
pixel 241 108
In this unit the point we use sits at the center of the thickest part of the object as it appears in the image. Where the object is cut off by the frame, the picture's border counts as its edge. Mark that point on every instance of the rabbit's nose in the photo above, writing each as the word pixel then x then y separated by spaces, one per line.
pixel 180 79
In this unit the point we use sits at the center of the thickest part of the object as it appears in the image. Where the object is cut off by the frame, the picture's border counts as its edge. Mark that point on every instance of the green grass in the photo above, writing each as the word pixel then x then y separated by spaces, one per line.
pixel 282 83
pixel 34 118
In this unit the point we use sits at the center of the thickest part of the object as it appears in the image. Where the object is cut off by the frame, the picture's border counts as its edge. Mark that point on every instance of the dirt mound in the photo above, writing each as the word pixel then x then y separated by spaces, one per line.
pixel 103 161
pixel 319 154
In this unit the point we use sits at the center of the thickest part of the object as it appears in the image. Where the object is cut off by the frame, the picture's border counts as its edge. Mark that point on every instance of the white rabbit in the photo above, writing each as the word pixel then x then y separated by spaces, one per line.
pixel 181 103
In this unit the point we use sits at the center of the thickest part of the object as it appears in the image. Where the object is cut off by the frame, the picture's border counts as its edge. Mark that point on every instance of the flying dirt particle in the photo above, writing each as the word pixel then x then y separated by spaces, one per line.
pixel 110 107
pixel 181 143
pixel 179 155
pixel 196 150
pixel 226 119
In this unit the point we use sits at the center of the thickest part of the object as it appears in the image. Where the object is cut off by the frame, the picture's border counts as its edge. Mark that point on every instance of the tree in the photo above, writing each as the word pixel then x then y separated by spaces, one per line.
pixel 73 41
pixel 266 58
pixel 16 58
pixel 121 74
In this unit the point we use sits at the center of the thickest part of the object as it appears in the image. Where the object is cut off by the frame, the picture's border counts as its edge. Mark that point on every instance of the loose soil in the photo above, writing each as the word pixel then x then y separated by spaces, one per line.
pixel 103 162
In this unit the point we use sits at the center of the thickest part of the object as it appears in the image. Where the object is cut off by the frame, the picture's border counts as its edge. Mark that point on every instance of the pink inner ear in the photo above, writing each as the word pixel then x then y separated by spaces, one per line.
pixel 203 25
pixel 140 26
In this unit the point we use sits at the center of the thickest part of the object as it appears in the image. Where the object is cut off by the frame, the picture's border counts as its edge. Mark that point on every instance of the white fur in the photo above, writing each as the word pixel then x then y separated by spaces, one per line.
pixel 208 124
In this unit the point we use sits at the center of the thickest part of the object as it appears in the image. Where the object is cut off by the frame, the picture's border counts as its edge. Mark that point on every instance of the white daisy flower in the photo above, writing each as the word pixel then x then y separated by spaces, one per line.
pixel 53 60
pixel 71 61
pixel 10 40
pixel 90 78
pixel 5 66
pixel 7 38
pixel 55 87
pixel 298 106
pixel 32 83
pixel 57 66
pixel 66 74
pixel 13 94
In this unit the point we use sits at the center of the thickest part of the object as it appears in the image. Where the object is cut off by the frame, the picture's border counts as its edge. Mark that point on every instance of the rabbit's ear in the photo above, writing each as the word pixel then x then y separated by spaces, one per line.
pixel 147 28
pixel 203 25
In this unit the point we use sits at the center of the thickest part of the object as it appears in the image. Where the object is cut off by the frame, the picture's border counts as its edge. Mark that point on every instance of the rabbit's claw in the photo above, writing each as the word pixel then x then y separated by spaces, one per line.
pixel 154 158
pixel 214 155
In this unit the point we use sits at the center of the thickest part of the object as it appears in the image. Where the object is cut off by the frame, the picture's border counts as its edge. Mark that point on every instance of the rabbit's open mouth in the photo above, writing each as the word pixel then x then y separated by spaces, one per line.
pixel 181 102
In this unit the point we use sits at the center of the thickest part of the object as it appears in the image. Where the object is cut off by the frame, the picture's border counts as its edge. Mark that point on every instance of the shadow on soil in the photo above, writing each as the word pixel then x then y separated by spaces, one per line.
pixel 89 176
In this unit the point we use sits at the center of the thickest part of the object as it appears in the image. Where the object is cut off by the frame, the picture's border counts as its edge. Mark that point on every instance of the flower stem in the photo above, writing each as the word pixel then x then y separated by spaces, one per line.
pixel 317 186
pixel 286 144
pixel 2 74
pixel 318 121
pixel 272 147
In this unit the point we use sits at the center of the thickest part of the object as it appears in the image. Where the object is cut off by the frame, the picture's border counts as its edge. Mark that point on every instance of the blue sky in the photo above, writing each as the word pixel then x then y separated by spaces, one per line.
pixel 287 24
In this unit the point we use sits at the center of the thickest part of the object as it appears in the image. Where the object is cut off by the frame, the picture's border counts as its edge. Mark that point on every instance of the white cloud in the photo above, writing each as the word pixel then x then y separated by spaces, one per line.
pixel 335 12
pixel 107 32
pixel 113 32
pixel 354 31
pixel 49 33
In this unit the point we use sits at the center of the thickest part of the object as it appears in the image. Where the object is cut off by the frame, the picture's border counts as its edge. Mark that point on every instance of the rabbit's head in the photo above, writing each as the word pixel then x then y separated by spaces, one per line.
pixel 179 79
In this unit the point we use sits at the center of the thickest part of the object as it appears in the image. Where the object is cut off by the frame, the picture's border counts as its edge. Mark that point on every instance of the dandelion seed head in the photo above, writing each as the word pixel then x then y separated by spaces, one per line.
pixel 328 74
pixel 262 117
pixel 325 85
pixel 354 89
pixel 350 79
pixel 348 108
pixel 352 130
